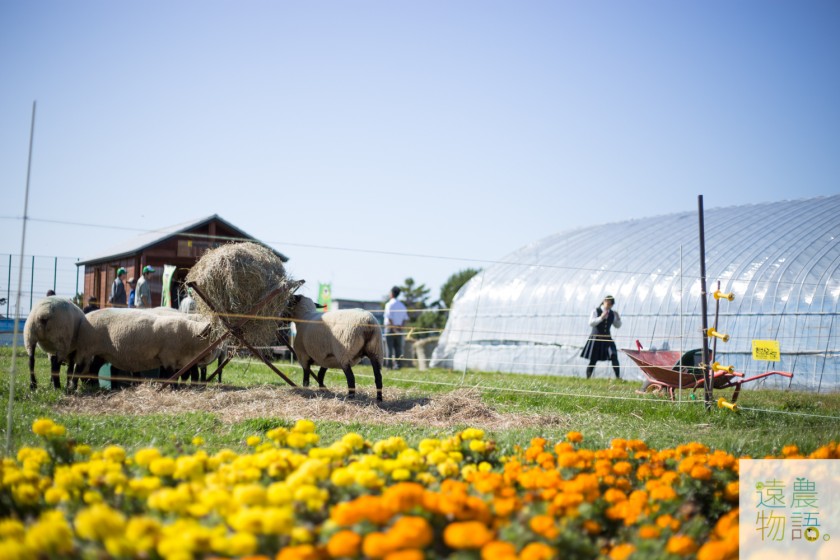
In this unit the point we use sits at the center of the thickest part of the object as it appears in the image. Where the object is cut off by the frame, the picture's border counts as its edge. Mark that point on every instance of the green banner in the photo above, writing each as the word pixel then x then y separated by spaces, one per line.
pixel 166 291
pixel 325 296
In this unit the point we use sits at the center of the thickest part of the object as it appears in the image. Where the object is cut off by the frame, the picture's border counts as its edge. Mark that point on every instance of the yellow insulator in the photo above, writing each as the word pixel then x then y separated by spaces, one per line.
pixel 723 403
pixel 720 295
pixel 718 367
pixel 712 332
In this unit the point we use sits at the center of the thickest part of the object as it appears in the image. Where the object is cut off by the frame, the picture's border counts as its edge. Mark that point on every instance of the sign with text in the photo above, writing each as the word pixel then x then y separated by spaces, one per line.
pixel 767 350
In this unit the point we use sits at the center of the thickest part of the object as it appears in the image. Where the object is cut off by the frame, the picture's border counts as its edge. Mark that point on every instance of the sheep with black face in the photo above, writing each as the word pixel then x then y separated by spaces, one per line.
pixel 336 339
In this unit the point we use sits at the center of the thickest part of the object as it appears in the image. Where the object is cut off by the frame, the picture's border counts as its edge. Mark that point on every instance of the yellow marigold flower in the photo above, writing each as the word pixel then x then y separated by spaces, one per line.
pixel 344 544
pixel 354 440
pixel 58 430
pixel 42 426
pixel 622 551
pixel 50 535
pixel 143 532
pixel 368 479
pixel 478 446
pixel 467 534
pixel 26 495
pixel 253 441
pixel 198 441
pixel 304 427
pixel 472 433
pixel 297 440
pixel 164 466
pixel 681 545
pixel 114 453
pixel 11 529
pixel 83 450
pixel 448 469
pixel 249 494
pixel 237 544
pixel 401 474
pixel 119 546
pixel 498 550
pixel 144 457
pixel 537 551
pixel 99 522
pixel 14 550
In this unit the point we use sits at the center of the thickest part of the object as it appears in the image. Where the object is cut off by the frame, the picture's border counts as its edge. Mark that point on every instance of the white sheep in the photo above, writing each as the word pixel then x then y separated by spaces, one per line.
pixel 198 371
pixel 336 339
pixel 134 340
pixel 53 324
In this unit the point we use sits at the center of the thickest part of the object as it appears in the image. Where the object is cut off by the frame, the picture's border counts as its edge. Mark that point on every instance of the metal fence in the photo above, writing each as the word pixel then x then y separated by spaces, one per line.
pixel 40 274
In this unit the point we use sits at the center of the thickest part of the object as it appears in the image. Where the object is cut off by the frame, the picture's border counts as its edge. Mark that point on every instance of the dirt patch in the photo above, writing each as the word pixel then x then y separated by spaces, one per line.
pixel 457 408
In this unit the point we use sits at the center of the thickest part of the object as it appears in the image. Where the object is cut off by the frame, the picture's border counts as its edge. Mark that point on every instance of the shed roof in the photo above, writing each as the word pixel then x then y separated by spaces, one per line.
pixel 150 238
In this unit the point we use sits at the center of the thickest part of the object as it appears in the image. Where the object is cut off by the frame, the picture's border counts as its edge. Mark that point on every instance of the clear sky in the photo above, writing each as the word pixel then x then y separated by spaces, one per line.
pixel 459 129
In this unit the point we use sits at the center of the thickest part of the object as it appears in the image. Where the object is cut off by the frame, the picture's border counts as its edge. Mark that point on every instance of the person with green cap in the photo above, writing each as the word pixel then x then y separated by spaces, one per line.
pixel 143 291
pixel 600 345
pixel 118 295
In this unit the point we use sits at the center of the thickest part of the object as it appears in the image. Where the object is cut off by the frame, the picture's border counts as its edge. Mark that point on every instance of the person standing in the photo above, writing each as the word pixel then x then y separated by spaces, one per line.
pixel 118 296
pixel 396 315
pixel 132 285
pixel 600 345
pixel 143 297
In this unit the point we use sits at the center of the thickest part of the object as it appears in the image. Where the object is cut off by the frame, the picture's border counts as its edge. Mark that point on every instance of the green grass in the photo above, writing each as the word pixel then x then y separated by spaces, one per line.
pixel 602 409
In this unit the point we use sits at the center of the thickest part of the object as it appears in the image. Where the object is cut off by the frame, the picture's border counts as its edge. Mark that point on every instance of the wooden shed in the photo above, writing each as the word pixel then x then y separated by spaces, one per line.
pixel 179 246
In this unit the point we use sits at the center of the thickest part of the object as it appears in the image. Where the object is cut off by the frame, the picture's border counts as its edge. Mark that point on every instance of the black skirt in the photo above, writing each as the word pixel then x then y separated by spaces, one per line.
pixel 599 348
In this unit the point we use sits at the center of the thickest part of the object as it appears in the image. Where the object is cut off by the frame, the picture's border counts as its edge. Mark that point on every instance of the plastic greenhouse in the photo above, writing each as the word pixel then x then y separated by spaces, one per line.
pixel 529 312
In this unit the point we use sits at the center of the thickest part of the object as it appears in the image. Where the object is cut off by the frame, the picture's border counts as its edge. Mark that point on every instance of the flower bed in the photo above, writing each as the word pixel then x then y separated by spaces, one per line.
pixel 288 498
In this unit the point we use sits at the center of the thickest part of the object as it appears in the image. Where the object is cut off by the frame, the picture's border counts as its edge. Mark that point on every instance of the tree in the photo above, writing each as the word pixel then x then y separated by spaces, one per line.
pixel 414 297
pixel 455 283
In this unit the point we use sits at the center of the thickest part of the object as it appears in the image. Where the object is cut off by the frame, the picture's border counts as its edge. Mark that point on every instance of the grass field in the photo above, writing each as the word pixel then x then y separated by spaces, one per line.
pixel 512 408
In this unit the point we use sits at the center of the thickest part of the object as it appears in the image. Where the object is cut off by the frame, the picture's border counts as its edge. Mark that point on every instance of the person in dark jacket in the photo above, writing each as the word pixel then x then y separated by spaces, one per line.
pixel 118 296
pixel 92 305
pixel 600 345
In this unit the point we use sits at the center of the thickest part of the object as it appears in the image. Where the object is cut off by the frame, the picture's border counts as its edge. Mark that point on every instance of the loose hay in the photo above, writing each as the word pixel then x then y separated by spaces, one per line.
pixel 462 407
pixel 235 277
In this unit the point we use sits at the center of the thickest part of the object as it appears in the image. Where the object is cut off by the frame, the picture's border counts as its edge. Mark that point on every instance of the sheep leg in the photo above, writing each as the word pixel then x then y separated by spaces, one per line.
pixel 71 362
pixel 307 371
pixel 55 371
pixel 203 374
pixel 33 381
pixel 351 382
pixel 320 377
pixel 377 376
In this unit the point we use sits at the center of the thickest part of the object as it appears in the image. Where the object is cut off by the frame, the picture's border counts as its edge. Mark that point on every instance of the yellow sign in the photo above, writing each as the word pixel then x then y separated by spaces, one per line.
pixel 767 350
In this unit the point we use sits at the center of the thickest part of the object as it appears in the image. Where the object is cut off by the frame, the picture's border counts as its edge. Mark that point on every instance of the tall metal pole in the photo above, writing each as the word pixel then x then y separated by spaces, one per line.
pixel 55 271
pixel 31 282
pixel 707 377
pixel 9 287
pixel 20 280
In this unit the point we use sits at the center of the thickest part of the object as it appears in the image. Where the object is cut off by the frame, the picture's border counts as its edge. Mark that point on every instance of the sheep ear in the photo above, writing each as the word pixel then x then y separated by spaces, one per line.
pixel 319 306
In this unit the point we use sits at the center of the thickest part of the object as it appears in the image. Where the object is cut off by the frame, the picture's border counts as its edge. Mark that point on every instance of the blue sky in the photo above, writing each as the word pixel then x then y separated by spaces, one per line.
pixel 451 129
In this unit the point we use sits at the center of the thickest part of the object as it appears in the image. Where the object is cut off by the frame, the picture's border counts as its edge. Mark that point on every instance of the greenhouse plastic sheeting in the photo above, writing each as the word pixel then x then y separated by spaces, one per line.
pixel 529 312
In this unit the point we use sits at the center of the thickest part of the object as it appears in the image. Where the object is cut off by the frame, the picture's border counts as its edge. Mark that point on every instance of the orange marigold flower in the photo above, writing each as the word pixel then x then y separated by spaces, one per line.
pixel 403 496
pixel 663 493
pixel 467 534
pixel 574 437
pixel 622 468
pixel 592 527
pixel 701 472
pixel 544 525
pixel 667 522
pixel 681 545
pixel 301 552
pixel 377 545
pixel 622 551
pixel 411 532
pixel 409 554
pixel 613 495
pixel 649 532
pixel 713 550
pixel 344 543
pixel 498 550
pixel 537 551
pixel 732 491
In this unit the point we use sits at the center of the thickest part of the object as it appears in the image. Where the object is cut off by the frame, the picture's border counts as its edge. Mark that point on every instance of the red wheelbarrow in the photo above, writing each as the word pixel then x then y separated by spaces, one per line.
pixel 668 370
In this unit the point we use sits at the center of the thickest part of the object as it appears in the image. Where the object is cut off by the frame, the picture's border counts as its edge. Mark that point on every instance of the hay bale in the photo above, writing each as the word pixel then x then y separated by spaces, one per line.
pixel 235 277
